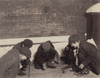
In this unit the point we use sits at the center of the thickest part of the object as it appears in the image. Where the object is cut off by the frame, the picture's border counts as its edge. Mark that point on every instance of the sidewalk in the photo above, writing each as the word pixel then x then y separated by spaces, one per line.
pixel 55 73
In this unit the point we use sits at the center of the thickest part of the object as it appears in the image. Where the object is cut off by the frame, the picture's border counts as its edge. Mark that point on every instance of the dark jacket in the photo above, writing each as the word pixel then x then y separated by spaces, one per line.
pixel 68 55
pixel 88 55
pixel 69 58
pixel 42 57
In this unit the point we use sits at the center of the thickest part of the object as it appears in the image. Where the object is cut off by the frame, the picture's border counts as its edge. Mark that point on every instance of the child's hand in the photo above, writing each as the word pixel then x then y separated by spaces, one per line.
pixel 81 66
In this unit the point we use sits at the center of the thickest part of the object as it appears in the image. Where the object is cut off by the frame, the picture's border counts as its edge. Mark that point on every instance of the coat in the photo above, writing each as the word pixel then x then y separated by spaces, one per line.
pixel 9 64
pixel 69 58
pixel 89 56
pixel 42 57
pixel 68 55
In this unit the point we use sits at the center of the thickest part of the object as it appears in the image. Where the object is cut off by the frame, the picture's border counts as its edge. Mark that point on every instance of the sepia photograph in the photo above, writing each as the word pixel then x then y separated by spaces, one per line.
pixel 49 38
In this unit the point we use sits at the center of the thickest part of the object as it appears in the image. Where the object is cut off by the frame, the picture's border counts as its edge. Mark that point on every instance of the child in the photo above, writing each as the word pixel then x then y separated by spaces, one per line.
pixel 87 53
pixel 10 62
pixel 45 55
pixel 69 58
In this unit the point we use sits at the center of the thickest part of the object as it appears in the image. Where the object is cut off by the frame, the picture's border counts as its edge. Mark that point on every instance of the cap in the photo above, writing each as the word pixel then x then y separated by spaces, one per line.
pixel 76 37
pixel 46 45
pixel 28 43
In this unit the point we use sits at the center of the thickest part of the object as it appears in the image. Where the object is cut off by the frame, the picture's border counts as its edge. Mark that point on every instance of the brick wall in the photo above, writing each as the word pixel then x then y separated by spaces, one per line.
pixel 33 18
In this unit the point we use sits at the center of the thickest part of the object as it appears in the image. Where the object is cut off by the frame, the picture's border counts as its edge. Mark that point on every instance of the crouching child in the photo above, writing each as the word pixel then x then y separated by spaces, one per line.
pixel 87 53
pixel 10 62
pixel 68 57
pixel 45 55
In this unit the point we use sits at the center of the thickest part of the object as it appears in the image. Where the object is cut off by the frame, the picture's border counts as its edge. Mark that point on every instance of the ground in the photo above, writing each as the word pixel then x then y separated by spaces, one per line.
pixel 55 73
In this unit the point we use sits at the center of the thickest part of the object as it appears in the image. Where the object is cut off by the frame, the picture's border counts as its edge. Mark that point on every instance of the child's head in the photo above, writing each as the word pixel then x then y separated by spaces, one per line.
pixel 28 43
pixel 25 52
pixel 74 40
pixel 46 46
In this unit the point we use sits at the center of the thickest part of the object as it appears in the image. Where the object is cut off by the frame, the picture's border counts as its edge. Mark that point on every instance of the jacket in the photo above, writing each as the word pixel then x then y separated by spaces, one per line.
pixel 9 64
pixel 89 56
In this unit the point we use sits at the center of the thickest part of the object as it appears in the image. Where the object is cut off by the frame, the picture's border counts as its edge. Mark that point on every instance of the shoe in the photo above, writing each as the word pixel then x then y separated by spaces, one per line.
pixel 23 69
pixel 21 73
pixel 83 72
pixel 50 65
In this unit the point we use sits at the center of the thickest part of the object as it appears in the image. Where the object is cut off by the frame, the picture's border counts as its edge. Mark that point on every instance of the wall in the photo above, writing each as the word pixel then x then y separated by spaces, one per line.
pixel 35 18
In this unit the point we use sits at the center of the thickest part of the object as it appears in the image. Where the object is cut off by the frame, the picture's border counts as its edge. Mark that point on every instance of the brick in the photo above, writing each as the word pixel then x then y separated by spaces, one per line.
pixel 29 18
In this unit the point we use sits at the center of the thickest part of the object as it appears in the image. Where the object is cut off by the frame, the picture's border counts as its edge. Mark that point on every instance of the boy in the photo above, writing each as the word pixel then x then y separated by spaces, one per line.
pixel 69 58
pixel 10 62
pixel 45 55
pixel 86 53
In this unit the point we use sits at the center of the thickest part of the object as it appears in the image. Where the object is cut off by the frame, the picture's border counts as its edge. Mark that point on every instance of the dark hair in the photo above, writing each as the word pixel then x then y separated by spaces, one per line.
pixel 76 37
pixel 28 43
